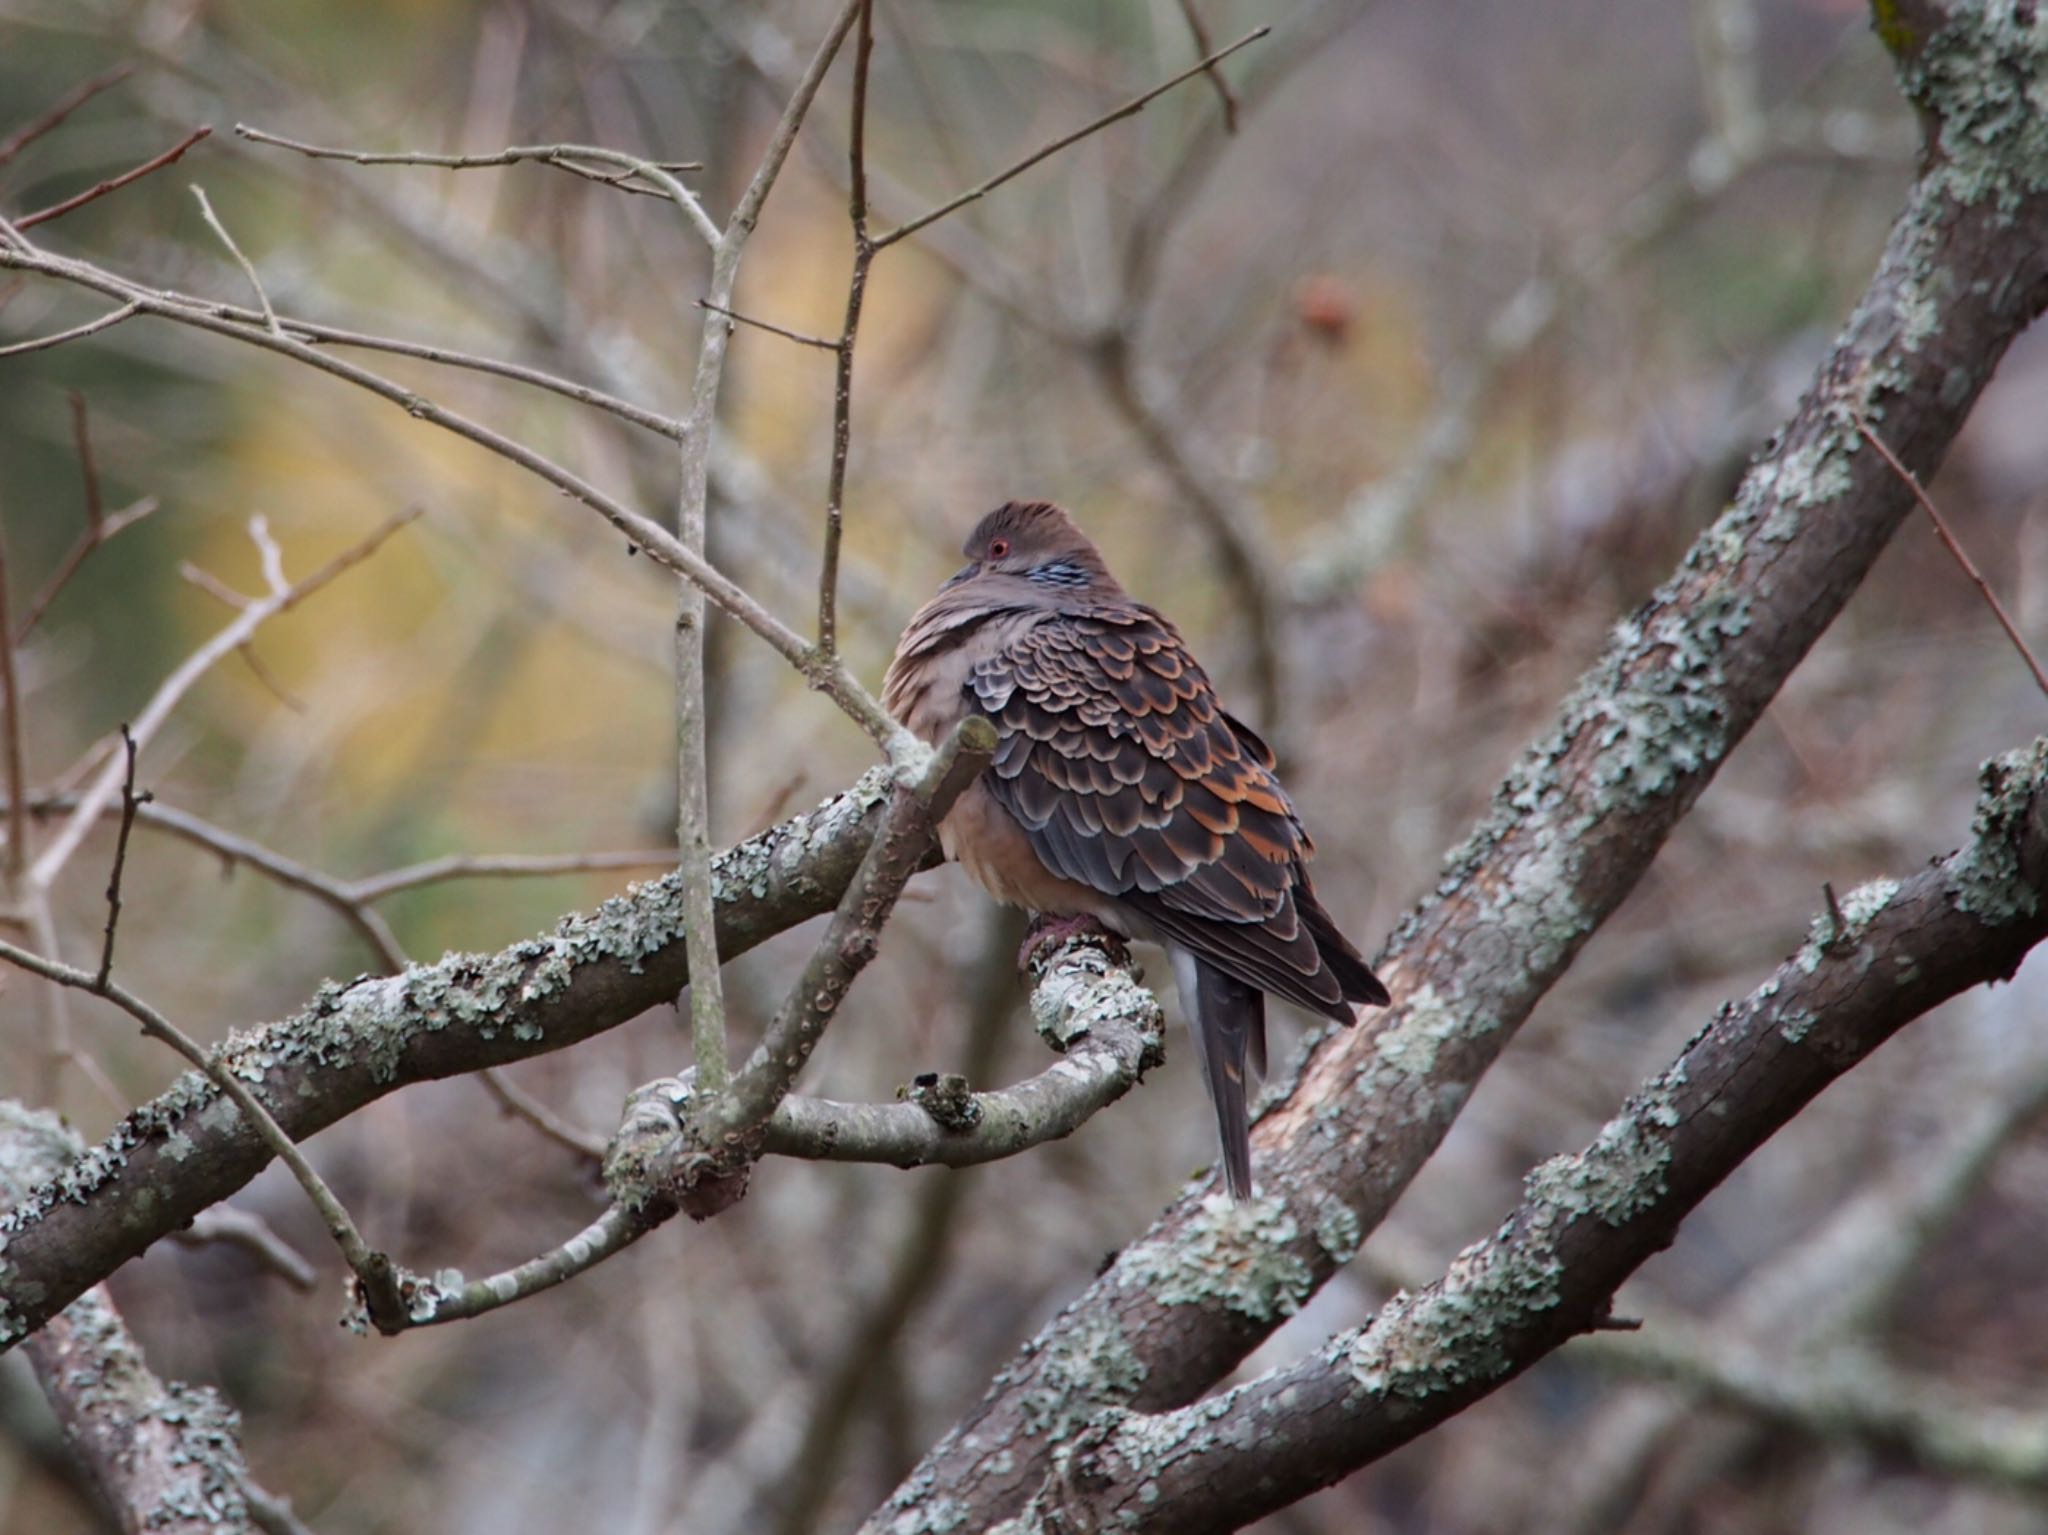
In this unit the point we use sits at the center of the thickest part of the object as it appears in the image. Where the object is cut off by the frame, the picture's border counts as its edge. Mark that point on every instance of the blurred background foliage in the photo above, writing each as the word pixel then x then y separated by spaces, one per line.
pixel 1315 293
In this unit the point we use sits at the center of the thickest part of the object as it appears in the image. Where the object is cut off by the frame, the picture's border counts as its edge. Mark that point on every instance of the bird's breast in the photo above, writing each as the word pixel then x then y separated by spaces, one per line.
pixel 988 843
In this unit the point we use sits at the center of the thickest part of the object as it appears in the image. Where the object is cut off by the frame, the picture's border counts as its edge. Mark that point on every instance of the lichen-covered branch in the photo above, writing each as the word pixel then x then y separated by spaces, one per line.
pixel 163 1456
pixel 1086 1003
pixel 901 846
pixel 190 1148
pixel 1580 817
pixel 1841 1393
pixel 1587 1220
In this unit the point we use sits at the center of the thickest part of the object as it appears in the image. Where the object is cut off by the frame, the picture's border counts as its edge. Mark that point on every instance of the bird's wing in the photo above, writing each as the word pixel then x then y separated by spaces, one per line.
pixel 1128 777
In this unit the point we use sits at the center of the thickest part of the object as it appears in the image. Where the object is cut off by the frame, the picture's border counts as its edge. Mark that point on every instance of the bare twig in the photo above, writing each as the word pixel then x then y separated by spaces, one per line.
pixel 53 115
pixel 568 157
pixel 17 768
pixel 130 803
pixel 1948 540
pixel 820 666
pixel 1200 32
pixel 43 343
pixel 253 1235
pixel 618 1228
pixel 88 465
pixel 376 887
pixel 520 1104
pixel 174 687
pixel 248 267
pixel 908 828
pixel 114 184
pixel 864 249
pixel 1128 109
pixel 824 343
pixel 96 534
pixel 372 1269
pixel 823 673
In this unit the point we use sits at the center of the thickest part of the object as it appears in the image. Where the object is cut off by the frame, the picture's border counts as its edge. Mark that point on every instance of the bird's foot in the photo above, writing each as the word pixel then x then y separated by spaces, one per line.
pixel 1047 933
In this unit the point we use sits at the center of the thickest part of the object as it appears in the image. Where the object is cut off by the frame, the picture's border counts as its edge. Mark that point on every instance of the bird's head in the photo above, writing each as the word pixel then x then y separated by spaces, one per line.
pixel 1033 546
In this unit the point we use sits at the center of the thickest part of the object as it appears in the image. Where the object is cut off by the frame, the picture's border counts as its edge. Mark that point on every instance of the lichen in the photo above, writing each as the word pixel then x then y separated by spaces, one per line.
pixel 1987 878
pixel 1456 1331
pixel 374 1023
pixel 1079 987
pixel 1088 1365
pixel 1983 78
pixel 1622 1173
pixel 1234 1254
pixel 1338 1230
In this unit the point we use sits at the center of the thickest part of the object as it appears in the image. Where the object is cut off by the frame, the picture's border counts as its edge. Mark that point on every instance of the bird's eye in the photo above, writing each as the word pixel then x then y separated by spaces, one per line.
pixel 998 547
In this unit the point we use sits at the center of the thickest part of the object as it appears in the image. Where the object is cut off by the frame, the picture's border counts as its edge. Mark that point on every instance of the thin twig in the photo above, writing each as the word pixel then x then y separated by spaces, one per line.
pixel 503 865
pixel 238 1228
pixel 823 673
pixel 1200 33
pixel 520 1104
pixel 824 343
pixel 248 267
pixel 88 466
pixel 1130 108
pixel 1948 540
pixel 856 292
pixel 17 768
pixel 114 184
pixel 373 1269
pixel 53 115
pixel 174 687
pixel 565 157
pixel 95 535
pixel 909 825
pixel 130 803
pixel 613 1231
pixel 821 668
pixel 43 343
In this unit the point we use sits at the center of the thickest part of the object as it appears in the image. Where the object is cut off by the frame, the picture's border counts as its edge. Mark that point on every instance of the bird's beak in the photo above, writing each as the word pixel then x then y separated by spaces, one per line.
pixel 960 575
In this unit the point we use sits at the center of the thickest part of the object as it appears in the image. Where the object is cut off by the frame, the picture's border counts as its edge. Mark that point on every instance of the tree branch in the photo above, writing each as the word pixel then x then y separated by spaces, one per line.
pixel 1581 815
pixel 164 1457
pixel 1588 1220
pixel 178 1154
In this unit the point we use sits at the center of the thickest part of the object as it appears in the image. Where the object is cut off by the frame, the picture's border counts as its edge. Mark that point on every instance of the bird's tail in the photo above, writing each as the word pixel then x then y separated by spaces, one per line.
pixel 1228 1020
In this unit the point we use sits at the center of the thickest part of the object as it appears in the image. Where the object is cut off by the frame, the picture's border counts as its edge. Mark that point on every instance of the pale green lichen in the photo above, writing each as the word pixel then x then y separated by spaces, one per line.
pixel 1234 1254
pixel 1456 1331
pixel 1079 988
pixel 372 1024
pixel 1409 1046
pixel 1622 1173
pixel 1987 878
pixel 1338 1230
pixel 1984 79
pixel 1088 1365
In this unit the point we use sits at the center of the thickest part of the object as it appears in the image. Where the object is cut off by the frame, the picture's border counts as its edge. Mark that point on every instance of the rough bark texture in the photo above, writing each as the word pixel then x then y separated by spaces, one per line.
pixel 1580 817
pixel 190 1148
pixel 1589 1220
pixel 164 1456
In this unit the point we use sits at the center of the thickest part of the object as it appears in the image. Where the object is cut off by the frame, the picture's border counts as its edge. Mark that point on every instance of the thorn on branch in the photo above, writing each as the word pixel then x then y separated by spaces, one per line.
pixel 1838 925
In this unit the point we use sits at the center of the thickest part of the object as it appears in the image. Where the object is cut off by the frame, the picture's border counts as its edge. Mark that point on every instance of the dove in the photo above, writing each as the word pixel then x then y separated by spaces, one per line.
pixel 1121 790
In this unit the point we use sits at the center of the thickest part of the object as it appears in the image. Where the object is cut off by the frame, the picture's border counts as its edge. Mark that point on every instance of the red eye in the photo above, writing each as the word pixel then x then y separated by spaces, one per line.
pixel 998 547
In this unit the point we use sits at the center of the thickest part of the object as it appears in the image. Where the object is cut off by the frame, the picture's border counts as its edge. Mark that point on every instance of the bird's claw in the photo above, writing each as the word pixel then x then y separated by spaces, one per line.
pixel 1048 933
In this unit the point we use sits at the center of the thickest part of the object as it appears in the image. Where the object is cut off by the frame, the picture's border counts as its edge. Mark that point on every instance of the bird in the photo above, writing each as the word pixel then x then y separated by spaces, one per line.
pixel 1121 790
